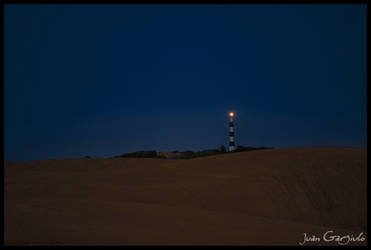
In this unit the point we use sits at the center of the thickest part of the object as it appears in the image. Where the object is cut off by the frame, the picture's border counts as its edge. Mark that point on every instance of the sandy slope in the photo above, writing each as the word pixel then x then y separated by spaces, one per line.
pixel 266 197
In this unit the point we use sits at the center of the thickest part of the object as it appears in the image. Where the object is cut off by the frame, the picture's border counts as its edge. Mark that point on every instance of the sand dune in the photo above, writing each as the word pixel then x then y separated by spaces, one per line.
pixel 266 197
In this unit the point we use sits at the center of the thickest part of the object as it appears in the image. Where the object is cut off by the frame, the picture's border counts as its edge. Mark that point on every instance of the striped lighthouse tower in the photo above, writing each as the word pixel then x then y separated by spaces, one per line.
pixel 231 132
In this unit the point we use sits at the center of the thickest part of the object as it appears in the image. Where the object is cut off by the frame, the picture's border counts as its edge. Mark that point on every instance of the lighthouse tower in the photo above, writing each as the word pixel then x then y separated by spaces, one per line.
pixel 231 132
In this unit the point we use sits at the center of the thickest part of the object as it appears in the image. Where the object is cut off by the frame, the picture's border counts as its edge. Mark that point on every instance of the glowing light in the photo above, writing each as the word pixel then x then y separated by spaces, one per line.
pixel 231 114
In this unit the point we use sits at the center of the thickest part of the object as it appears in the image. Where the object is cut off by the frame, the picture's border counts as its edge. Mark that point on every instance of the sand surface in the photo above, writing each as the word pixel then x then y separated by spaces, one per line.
pixel 264 197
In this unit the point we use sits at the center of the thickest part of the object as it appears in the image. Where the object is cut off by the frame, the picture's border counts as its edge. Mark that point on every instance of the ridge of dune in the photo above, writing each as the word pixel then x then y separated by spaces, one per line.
pixel 264 197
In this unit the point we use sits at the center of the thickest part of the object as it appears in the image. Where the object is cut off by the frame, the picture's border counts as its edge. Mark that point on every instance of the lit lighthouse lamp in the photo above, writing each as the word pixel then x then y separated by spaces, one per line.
pixel 231 132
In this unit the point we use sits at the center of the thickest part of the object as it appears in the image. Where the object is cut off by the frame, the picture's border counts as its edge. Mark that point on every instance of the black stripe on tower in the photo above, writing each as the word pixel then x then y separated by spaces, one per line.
pixel 230 124
pixel 231 143
pixel 231 133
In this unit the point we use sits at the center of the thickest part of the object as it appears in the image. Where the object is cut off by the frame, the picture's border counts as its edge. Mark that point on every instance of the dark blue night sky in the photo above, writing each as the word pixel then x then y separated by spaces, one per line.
pixel 103 80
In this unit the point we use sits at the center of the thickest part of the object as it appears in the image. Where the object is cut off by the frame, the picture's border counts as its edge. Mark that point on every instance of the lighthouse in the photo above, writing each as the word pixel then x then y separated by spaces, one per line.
pixel 231 132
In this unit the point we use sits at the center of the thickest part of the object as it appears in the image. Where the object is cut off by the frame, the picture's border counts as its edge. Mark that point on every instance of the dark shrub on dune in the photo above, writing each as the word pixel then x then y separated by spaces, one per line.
pixel 149 154
pixel 222 149
pixel 141 154
pixel 187 154
pixel 242 148
pixel 190 154
pixel 208 152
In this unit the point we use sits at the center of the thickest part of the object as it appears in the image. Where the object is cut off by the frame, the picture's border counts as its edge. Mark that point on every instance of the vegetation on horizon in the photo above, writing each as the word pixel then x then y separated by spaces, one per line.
pixel 188 154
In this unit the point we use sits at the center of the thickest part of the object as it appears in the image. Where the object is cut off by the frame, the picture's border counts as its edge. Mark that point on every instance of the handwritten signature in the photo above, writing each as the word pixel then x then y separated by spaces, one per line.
pixel 329 236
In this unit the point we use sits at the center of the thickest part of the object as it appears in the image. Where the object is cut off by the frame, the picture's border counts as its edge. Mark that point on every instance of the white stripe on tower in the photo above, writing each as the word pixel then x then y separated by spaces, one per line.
pixel 231 132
